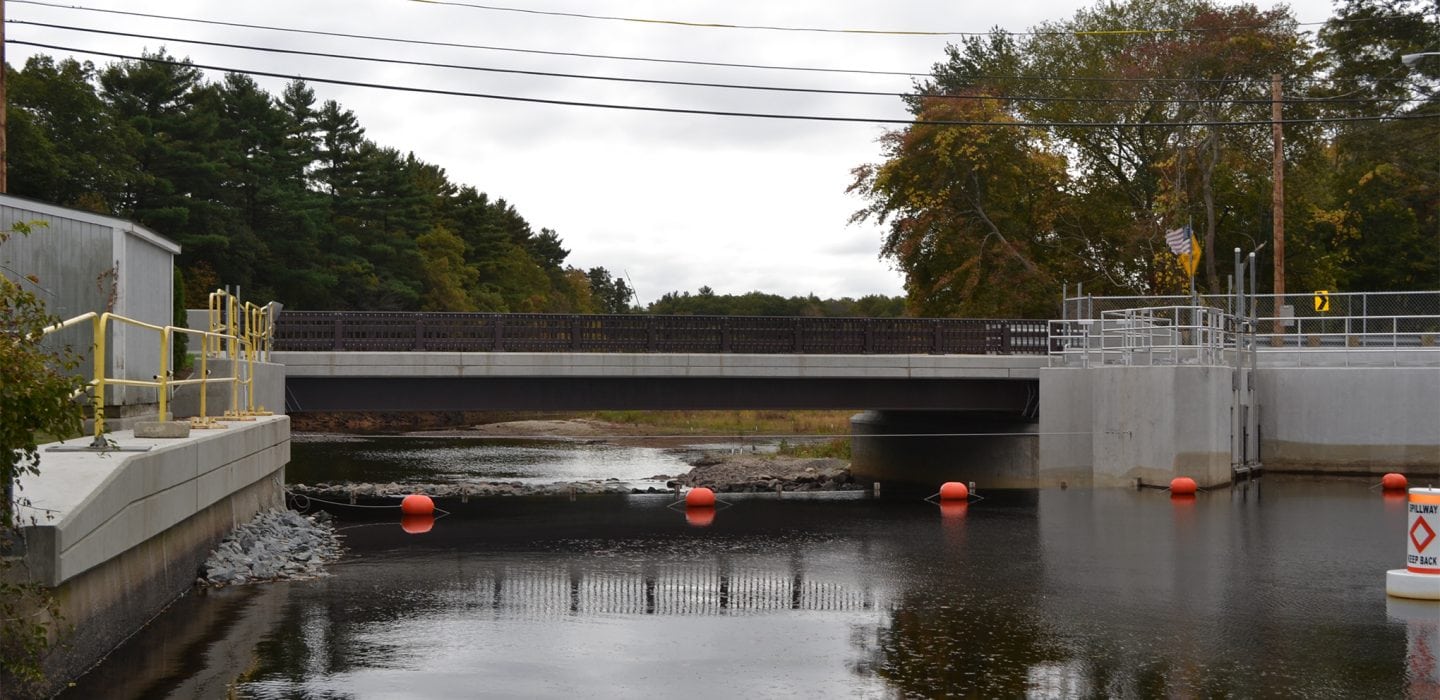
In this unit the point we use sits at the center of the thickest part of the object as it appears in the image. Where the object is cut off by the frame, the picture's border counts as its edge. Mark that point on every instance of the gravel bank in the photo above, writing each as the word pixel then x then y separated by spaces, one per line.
pixel 276 545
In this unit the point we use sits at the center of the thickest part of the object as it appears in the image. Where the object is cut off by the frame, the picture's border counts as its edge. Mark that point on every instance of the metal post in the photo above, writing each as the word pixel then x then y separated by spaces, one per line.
pixel 1278 195
pixel 1236 394
pixel 1254 298
pixel 204 379
pixel 164 377
pixel 97 346
pixel 1239 286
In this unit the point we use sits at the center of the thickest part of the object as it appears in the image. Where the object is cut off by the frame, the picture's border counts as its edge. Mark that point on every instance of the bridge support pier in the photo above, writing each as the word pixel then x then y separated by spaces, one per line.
pixel 913 451
pixel 1112 425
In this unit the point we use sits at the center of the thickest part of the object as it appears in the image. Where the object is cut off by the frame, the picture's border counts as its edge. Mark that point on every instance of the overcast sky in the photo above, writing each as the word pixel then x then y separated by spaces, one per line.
pixel 672 201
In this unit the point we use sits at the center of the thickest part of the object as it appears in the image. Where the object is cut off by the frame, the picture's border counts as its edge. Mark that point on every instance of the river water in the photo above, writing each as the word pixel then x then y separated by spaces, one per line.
pixel 1273 588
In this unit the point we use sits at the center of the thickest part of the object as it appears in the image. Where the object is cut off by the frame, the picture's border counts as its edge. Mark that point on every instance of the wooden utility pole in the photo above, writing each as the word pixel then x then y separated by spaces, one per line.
pixel 4 124
pixel 1277 133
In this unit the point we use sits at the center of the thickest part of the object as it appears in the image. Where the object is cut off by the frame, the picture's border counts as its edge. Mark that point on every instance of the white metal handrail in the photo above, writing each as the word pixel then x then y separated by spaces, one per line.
pixel 1147 336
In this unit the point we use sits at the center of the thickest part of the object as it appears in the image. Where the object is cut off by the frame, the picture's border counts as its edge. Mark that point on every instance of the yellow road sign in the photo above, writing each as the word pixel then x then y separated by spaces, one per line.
pixel 1190 262
pixel 1322 300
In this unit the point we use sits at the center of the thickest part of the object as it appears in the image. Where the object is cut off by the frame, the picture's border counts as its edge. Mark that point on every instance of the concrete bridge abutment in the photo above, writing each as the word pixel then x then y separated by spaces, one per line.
pixel 1122 425
pixel 919 450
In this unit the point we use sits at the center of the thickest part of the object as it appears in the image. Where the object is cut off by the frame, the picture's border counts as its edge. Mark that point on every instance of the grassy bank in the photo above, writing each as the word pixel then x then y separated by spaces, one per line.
pixel 733 422
pixel 809 423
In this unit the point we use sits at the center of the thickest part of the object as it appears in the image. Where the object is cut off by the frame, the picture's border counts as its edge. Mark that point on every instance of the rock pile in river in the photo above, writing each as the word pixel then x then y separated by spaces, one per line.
pixel 351 493
pixel 276 545
pixel 757 473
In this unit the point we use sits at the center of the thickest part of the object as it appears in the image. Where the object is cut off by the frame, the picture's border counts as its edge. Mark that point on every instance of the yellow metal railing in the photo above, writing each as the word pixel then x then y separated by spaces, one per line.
pixel 241 331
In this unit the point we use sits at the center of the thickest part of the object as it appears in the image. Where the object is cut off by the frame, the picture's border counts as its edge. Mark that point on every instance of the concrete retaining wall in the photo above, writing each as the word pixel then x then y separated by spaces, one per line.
pixel 1156 423
pixel 1067 422
pixel 269 390
pixel 1350 419
pixel 130 530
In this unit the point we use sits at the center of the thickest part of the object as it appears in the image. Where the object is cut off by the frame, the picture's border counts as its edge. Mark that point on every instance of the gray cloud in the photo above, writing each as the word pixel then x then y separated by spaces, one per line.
pixel 678 201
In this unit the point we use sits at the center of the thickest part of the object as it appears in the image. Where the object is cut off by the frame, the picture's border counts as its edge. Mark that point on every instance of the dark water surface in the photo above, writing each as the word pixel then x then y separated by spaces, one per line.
pixel 1270 589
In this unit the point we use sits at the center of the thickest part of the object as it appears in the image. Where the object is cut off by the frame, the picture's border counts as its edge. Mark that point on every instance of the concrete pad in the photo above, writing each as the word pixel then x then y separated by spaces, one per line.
pixel 167 429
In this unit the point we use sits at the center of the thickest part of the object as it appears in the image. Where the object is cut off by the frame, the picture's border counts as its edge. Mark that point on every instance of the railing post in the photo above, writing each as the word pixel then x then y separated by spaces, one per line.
pixel 799 341
pixel 97 346
pixel 725 346
pixel 338 341
pixel 419 344
pixel 574 334
pixel 164 377
pixel 937 340
pixel 869 336
pixel 651 335
pixel 499 332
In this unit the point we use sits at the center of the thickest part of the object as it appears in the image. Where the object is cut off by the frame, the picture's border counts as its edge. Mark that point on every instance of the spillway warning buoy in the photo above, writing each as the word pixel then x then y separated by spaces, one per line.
pixel 417 504
pixel 700 497
pixel 1393 482
pixel 1183 486
pixel 954 491
pixel 417 524
pixel 1420 578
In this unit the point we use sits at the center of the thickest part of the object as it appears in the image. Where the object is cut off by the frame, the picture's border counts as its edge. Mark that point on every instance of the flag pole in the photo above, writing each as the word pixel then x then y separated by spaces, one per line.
pixel 1190 234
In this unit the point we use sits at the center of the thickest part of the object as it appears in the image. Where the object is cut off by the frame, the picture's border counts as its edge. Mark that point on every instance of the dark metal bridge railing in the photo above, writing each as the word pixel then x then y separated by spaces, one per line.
pixel 490 332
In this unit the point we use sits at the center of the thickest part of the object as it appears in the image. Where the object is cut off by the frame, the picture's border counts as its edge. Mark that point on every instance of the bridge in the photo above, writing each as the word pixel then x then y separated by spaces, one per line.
pixel 394 361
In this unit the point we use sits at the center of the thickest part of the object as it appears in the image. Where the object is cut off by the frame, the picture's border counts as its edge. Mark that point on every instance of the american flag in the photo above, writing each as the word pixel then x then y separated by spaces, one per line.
pixel 1179 240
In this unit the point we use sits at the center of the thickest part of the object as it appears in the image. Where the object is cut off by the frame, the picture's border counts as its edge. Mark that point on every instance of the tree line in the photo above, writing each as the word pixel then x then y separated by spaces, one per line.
pixel 1049 179
pixel 286 197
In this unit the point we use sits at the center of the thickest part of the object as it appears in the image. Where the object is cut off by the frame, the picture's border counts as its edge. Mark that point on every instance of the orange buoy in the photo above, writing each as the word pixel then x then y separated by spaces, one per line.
pixel 1393 481
pixel 700 497
pixel 417 524
pixel 954 491
pixel 1182 486
pixel 417 504
pixel 700 516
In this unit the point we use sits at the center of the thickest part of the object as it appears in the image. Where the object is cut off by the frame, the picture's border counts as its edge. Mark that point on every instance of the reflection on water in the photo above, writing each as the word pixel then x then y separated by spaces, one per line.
pixel 385 459
pixel 1271 589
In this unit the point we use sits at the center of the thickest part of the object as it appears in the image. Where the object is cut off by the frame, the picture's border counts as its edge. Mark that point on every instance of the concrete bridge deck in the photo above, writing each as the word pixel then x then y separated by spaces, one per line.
pixel 357 381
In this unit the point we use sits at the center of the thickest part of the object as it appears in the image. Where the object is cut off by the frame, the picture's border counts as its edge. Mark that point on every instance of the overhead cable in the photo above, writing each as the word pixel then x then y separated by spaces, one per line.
pixel 718 113
pixel 646 59
pixel 457 45
pixel 883 32
pixel 687 83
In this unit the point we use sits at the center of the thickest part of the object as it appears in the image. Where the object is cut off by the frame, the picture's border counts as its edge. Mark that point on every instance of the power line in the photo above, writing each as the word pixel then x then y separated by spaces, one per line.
pixel 882 32
pixel 686 83
pixel 645 59
pixel 456 45
pixel 718 113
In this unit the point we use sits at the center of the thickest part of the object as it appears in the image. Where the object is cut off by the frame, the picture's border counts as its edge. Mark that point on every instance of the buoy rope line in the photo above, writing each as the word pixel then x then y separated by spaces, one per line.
pixel 969 497
pixel 298 497
pixel 382 524
pixel 723 502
